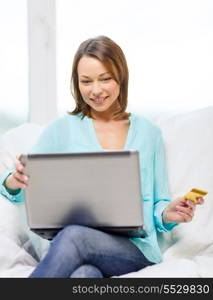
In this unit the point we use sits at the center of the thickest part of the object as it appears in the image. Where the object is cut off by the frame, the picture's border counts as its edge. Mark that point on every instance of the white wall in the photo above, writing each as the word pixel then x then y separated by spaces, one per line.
pixel 168 45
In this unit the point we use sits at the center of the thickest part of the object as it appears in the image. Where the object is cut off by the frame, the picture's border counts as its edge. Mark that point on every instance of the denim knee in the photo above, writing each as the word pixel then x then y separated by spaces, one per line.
pixel 70 232
pixel 87 271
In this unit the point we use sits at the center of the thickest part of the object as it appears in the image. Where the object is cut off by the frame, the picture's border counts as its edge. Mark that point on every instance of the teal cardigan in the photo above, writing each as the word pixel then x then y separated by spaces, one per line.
pixel 71 133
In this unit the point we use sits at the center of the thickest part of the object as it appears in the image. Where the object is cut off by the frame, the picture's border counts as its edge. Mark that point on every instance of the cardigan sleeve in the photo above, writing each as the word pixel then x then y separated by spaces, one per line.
pixel 13 196
pixel 161 189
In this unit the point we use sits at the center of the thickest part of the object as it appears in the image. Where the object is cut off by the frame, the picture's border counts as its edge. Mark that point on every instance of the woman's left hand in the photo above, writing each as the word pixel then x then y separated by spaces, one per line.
pixel 180 210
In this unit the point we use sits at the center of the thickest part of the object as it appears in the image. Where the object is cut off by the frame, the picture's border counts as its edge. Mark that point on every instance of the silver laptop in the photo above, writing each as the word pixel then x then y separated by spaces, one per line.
pixel 96 189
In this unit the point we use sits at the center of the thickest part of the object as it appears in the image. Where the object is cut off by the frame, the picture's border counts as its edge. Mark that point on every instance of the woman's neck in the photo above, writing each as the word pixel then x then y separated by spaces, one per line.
pixel 105 116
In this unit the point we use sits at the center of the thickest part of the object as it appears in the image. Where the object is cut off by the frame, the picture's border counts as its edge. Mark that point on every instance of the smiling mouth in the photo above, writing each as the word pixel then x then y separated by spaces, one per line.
pixel 98 100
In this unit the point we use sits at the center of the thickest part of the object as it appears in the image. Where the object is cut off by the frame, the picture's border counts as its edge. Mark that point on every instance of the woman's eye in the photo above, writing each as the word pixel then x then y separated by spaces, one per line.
pixel 85 81
pixel 106 79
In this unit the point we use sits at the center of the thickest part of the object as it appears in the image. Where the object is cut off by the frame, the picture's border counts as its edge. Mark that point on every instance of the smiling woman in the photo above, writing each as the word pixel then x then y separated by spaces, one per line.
pixel 99 77
pixel 100 88
pixel 100 122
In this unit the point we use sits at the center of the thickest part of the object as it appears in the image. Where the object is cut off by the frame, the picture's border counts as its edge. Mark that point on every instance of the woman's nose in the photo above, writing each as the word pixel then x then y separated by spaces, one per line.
pixel 96 89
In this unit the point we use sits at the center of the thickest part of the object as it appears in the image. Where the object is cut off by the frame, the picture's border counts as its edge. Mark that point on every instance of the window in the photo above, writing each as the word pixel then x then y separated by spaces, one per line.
pixel 168 46
pixel 13 64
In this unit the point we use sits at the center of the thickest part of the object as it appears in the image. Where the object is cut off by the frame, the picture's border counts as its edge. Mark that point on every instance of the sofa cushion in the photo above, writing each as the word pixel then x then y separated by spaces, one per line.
pixel 15 142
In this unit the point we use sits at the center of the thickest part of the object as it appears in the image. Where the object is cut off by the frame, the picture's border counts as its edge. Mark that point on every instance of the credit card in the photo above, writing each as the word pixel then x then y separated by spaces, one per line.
pixel 194 194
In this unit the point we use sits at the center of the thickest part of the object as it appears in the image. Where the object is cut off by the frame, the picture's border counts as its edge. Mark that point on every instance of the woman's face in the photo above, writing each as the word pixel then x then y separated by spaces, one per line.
pixel 97 85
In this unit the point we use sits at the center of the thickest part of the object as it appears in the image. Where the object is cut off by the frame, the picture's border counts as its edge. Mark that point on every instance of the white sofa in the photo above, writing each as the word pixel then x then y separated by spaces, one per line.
pixel 187 250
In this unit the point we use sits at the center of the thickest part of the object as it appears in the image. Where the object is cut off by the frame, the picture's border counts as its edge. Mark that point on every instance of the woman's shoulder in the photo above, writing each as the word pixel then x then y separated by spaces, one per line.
pixel 143 122
pixel 63 120
pixel 67 117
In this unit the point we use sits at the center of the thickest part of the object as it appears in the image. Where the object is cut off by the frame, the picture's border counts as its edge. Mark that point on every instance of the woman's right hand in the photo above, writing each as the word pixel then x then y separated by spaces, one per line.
pixel 17 180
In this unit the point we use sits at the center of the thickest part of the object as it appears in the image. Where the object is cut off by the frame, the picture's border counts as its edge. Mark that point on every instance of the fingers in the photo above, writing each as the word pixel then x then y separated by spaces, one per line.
pixel 19 176
pixel 190 204
pixel 186 218
pixel 186 210
pixel 21 179
pixel 19 167
pixel 182 207
pixel 186 213
pixel 18 157
pixel 200 201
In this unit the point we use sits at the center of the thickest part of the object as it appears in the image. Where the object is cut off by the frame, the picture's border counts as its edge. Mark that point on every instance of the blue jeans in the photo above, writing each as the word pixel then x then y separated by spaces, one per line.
pixel 80 251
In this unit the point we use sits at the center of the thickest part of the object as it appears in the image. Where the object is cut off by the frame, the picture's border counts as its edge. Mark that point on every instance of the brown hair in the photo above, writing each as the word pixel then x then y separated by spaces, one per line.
pixel 112 56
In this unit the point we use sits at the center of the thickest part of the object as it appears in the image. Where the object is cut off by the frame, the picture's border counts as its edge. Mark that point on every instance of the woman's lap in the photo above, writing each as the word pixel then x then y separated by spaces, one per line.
pixel 77 246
